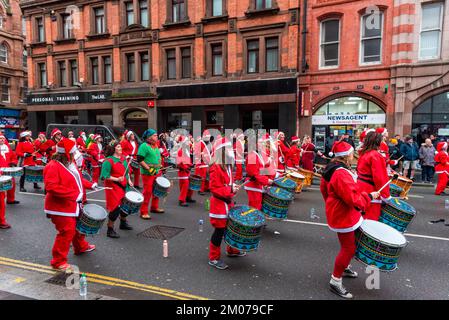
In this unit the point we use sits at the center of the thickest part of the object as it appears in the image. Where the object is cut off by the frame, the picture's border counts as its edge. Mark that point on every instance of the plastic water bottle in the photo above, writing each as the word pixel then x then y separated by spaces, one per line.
pixel 165 249
pixel 200 225
pixel 446 204
pixel 312 214
pixel 207 204
pixel 83 285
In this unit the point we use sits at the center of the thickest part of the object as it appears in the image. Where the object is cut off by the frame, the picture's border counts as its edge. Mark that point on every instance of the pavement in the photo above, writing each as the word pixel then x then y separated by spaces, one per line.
pixel 294 260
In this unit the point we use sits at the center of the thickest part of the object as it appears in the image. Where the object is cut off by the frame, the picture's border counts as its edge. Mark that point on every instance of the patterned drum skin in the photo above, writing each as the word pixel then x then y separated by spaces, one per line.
pixel 379 245
pixel 404 183
pixel 298 178
pixel 161 187
pixel 275 202
pixel 91 219
pixel 12 171
pixel 395 190
pixel 397 214
pixel 5 183
pixel 244 228
pixel 285 183
pixel 131 203
pixel 195 182
pixel 34 174
pixel 308 175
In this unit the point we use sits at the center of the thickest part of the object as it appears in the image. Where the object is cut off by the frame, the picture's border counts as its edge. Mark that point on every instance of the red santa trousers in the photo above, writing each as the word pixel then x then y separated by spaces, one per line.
pixel 347 251
pixel 148 194
pixel 184 191
pixel 136 173
pixel 238 171
pixel 255 199
pixel 215 245
pixel 443 178
pixel 95 174
pixel 11 194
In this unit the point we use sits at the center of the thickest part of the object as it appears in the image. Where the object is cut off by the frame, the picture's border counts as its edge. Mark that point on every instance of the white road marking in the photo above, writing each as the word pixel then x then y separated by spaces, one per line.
pixel 415 196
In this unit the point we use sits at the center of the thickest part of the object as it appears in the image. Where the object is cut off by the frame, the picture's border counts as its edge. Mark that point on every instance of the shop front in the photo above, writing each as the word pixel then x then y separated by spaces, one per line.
pixel 10 122
pixel 346 115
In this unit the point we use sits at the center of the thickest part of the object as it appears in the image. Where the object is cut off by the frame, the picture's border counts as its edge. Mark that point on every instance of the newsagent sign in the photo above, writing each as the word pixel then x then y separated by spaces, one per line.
pixel 349 119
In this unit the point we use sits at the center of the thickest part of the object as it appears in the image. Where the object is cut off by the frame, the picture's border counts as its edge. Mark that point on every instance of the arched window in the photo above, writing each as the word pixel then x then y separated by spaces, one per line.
pixel 3 53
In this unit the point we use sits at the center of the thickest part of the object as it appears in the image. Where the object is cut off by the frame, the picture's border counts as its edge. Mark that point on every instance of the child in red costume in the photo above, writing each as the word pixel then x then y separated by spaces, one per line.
pixel 295 153
pixel 442 168
pixel 343 205
pixel 184 164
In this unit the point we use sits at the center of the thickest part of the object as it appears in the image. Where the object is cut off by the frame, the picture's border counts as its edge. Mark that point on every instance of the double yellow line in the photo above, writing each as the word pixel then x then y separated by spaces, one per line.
pixel 100 279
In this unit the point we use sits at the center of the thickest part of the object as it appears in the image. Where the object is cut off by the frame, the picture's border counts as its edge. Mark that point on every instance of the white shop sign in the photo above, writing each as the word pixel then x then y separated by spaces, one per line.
pixel 349 119
pixel 443 132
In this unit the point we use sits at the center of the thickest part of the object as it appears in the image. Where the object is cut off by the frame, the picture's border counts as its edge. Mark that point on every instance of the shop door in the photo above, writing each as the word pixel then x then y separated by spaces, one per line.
pixel 136 121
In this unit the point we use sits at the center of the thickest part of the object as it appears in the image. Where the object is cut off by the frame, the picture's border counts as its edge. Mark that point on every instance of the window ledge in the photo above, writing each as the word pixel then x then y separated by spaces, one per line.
pixel 257 12
pixel 70 40
pixel 177 24
pixel 215 18
pixel 38 44
pixel 93 36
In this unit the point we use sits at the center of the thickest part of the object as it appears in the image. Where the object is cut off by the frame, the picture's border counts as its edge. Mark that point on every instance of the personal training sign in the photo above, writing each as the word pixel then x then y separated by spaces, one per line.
pixel 69 97
pixel 349 119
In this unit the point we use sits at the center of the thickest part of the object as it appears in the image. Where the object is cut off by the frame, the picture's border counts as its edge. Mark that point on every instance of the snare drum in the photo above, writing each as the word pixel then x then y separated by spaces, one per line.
pixel 135 164
pixel 402 182
pixel 86 175
pixel 131 203
pixel 395 190
pixel 5 183
pixel 379 245
pixel 298 178
pixel 195 182
pixel 161 187
pixel 34 174
pixel 91 219
pixel 285 183
pixel 12 171
pixel 308 176
pixel 244 228
pixel 397 214
pixel 275 202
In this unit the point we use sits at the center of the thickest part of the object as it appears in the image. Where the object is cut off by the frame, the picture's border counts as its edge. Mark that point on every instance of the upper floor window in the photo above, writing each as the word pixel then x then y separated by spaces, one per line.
pixel 171 63
pixel 143 13
pixel 131 62
pixel 178 10
pixel 329 43
pixel 5 88
pixel 67 27
pixel 129 6
pixel 62 74
pixel 217 59
pixel 94 70
pixel 263 4
pixel 25 59
pixel 272 54
pixel 107 69
pixel 42 74
pixel 431 27
pixel 217 8
pixel 73 72
pixel 144 66
pixel 40 32
pixel 186 62
pixel 99 20
pixel 253 56
pixel 3 53
pixel 371 39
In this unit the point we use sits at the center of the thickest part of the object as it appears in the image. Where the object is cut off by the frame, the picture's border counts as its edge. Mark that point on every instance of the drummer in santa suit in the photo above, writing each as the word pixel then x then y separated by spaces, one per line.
pixel 223 190
pixel 41 138
pixel 115 174
pixel 362 137
pixel 372 173
pixel 49 147
pixel 283 151
pixel 184 164
pixel 5 161
pixel 384 150
pixel 308 153
pixel 95 150
pixel 64 187
pixel 260 172
pixel 81 140
pixel 239 152
pixel 202 152
pixel 25 152
pixel 11 161
pixel 294 156
pixel 344 203
pixel 130 146
pixel 442 168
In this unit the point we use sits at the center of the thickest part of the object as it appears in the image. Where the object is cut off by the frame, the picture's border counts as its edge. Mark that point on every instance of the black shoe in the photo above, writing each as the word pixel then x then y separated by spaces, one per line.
pixel 183 204
pixel 13 202
pixel 348 273
pixel 112 234
pixel 339 290
pixel 36 186
pixel 202 193
pixel 190 200
pixel 124 225
pixel 137 187
pixel 23 190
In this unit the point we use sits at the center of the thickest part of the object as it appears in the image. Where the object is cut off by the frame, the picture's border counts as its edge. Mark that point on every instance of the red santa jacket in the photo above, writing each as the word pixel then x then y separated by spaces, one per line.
pixel 257 171
pixel 184 163
pixel 283 154
pixel 48 148
pixel 294 156
pixel 26 147
pixel 442 162
pixel 129 149
pixel 201 154
pixel 372 174
pixel 164 152
pixel 343 200
pixel 9 155
pixel 81 143
pixel 96 155
pixel 64 188
pixel 220 185
pixel 239 151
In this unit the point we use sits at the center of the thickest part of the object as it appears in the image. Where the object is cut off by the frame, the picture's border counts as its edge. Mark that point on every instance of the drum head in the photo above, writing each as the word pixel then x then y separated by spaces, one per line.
pixel 395 187
pixel 196 177
pixel 5 178
pixel 163 182
pixel 134 196
pixel 247 216
pixel 402 178
pixel 279 193
pixel 95 212
pixel 285 182
pixel 401 205
pixel 35 168
pixel 297 175
pixel 383 233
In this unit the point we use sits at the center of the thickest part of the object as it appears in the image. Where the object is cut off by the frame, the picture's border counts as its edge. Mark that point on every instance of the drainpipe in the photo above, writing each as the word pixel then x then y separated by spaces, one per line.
pixel 304 65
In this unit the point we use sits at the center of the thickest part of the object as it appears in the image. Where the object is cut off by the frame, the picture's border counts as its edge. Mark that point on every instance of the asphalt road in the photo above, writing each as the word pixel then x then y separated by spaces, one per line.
pixel 294 260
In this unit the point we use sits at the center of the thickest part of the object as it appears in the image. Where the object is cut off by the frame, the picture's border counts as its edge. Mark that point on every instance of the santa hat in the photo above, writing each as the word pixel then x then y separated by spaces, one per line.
pixel 128 134
pixel 96 137
pixel 42 134
pixel 82 133
pixel 25 133
pixel 181 139
pixel 381 130
pixel 220 143
pixel 66 146
pixel 55 132
pixel 279 133
pixel 266 137
pixel 206 134
pixel 2 136
pixel 441 145
pixel 364 133
pixel 341 149
pixel 295 138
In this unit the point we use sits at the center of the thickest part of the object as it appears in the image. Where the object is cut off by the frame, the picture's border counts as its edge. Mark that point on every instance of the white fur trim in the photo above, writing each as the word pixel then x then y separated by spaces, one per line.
pixel 344 153
pixel 223 145
pixel 345 230
pixel 253 189
pixel 218 216
pixel 60 150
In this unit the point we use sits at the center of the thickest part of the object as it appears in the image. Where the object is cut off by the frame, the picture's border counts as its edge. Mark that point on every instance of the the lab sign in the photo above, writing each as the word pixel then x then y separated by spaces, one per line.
pixel 349 119
pixel 69 97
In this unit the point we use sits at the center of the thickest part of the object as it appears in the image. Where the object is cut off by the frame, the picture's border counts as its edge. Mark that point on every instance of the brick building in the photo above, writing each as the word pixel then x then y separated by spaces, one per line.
pixel 12 69
pixel 226 63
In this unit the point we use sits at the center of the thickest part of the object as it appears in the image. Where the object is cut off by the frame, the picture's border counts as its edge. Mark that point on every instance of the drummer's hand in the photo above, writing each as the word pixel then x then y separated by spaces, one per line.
pixel 120 179
pixel 235 187
pixel 130 183
pixel 375 195
pixel 94 185
pixel 270 182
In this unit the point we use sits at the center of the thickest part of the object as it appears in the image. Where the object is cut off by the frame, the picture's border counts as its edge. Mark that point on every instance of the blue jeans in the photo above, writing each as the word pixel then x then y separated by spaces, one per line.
pixel 427 173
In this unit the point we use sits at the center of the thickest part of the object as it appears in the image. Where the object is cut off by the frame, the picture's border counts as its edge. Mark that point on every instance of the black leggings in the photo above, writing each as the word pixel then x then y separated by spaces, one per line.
pixel 22 182
pixel 217 236
pixel 113 215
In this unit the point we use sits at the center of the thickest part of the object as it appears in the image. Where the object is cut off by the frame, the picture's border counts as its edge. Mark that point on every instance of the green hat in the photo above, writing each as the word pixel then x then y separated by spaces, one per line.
pixel 148 133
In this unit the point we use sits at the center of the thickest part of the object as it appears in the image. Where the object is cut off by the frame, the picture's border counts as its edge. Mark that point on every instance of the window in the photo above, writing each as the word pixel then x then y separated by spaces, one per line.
pixel 217 8
pixel 5 89
pixel 40 34
pixel 66 27
pixel 431 26
pixel 129 13
pixel 42 72
pixel 371 40
pixel 94 70
pixel 144 66
pixel 272 54
pixel 62 74
pixel 143 11
pixel 253 56
pixel 171 63
pixel 3 53
pixel 24 59
pixel 73 72
pixel 107 69
pixel 186 62
pixel 263 4
pixel 330 37
pixel 131 62
pixel 99 20
pixel 178 10
pixel 217 60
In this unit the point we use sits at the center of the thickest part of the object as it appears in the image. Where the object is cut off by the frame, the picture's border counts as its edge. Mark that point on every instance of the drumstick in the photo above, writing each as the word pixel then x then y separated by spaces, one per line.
pixel 99 189
pixel 389 181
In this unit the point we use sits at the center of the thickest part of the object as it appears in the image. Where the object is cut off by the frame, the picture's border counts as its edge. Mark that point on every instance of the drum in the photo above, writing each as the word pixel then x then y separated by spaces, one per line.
pixel 275 202
pixel 308 175
pixel 244 228
pixel 402 182
pixel 379 245
pixel 161 187
pixel 86 175
pixel 131 203
pixel 397 214
pixel 34 174
pixel 134 164
pixel 285 183
pixel 12 171
pixel 195 182
pixel 5 183
pixel 395 190
pixel 91 219
pixel 298 178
